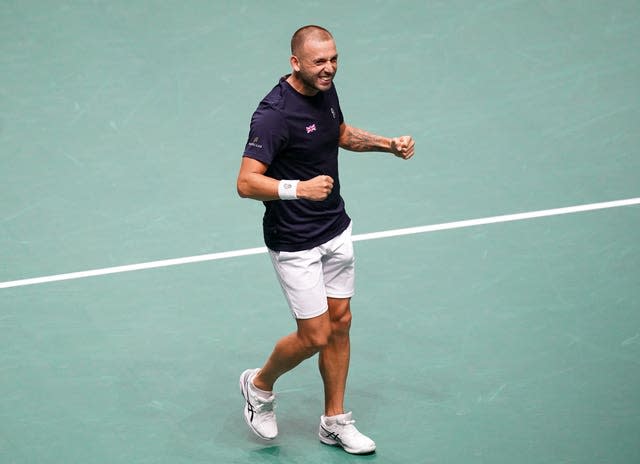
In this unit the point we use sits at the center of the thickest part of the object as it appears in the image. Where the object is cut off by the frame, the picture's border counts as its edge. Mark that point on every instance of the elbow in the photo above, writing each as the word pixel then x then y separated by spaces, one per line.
pixel 242 188
pixel 241 191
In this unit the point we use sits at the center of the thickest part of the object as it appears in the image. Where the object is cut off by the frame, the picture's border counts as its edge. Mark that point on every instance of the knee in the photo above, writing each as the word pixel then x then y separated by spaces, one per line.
pixel 314 334
pixel 340 316
pixel 341 325
pixel 316 341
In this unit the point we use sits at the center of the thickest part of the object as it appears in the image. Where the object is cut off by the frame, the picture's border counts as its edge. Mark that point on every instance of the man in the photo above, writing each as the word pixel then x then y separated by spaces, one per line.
pixel 290 163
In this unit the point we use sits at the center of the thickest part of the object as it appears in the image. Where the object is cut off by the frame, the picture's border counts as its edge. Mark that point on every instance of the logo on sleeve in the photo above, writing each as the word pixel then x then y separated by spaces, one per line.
pixel 254 143
pixel 333 112
pixel 311 128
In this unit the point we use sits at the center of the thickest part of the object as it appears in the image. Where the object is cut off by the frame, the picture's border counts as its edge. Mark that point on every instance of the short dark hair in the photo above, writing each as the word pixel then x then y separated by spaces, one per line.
pixel 304 33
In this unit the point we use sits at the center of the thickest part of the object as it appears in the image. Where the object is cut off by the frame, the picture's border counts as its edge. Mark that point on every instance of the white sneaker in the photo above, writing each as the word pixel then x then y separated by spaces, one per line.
pixel 258 412
pixel 340 431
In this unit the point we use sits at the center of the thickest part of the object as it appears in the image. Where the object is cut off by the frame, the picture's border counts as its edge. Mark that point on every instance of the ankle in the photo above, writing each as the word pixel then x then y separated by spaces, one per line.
pixel 260 385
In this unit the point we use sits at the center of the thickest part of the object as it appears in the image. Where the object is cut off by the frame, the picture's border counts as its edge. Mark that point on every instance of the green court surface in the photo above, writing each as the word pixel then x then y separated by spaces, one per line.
pixel 122 125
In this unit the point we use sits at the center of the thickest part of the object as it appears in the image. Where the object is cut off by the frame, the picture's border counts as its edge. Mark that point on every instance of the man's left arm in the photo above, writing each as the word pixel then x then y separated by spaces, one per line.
pixel 354 139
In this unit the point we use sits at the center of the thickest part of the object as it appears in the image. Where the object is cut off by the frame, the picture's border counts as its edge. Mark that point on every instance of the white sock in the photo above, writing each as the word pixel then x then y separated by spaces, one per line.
pixel 265 395
pixel 337 417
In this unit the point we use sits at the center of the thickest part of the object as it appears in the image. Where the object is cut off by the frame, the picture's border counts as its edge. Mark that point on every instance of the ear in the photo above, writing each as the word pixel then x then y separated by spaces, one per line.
pixel 295 63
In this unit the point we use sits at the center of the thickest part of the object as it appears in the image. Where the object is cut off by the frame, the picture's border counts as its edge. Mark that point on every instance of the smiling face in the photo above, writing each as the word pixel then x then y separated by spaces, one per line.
pixel 314 65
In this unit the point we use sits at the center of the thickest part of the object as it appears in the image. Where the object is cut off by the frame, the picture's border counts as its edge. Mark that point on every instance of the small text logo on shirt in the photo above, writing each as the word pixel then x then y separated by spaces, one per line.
pixel 333 112
pixel 311 128
pixel 254 143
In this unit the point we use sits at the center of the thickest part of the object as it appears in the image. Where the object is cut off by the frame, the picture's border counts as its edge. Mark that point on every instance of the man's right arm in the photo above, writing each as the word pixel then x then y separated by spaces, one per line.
pixel 252 183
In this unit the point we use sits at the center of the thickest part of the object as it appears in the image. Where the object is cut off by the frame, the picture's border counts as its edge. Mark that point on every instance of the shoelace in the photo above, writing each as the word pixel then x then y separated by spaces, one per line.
pixel 349 430
pixel 265 406
pixel 345 422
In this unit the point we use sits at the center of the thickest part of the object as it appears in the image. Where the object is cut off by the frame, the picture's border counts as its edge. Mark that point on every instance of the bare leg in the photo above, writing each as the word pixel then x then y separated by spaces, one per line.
pixel 335 356
pixel 311 337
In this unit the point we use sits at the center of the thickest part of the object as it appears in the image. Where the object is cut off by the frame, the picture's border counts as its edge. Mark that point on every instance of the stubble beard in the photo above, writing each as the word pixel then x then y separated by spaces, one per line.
pixel 311 82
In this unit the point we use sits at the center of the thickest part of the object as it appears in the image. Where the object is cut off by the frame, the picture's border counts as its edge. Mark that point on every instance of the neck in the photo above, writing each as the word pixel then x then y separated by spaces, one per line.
pixel 299 86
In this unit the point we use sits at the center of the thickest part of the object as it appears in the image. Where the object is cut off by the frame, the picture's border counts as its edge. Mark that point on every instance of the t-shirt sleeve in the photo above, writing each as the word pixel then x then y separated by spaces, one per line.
pixel 267 135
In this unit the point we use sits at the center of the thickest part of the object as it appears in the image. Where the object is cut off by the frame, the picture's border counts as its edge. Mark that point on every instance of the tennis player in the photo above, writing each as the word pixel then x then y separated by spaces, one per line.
pixel 290 163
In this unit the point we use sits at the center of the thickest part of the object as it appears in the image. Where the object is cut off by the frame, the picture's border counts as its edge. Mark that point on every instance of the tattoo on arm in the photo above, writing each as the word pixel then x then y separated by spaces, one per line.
pixel 355 139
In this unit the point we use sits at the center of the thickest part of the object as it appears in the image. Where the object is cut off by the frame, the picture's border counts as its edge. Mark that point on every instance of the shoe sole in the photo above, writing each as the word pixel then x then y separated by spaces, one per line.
pixel 244 379
pixel 330 442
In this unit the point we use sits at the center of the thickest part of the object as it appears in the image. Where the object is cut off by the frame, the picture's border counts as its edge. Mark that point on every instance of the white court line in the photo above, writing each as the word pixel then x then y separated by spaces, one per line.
pixel 360 237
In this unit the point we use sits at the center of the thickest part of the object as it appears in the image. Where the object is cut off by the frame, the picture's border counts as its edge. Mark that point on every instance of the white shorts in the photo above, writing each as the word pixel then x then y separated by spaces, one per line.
pixel 308 277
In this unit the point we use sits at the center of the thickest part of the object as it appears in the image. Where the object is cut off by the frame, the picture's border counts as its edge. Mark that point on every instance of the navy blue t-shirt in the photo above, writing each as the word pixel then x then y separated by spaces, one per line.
pixel 297 137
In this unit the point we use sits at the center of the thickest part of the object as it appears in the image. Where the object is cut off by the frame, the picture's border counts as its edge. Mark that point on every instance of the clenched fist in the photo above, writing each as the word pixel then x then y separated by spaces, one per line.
pixel 316 189
pixel 403 147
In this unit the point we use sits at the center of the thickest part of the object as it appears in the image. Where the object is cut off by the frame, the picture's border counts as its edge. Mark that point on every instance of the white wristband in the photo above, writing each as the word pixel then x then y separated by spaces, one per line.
pixel 287 189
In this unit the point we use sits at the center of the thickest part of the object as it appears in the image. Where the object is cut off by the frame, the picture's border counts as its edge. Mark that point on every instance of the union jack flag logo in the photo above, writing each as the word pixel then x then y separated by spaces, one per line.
pixel 311 128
